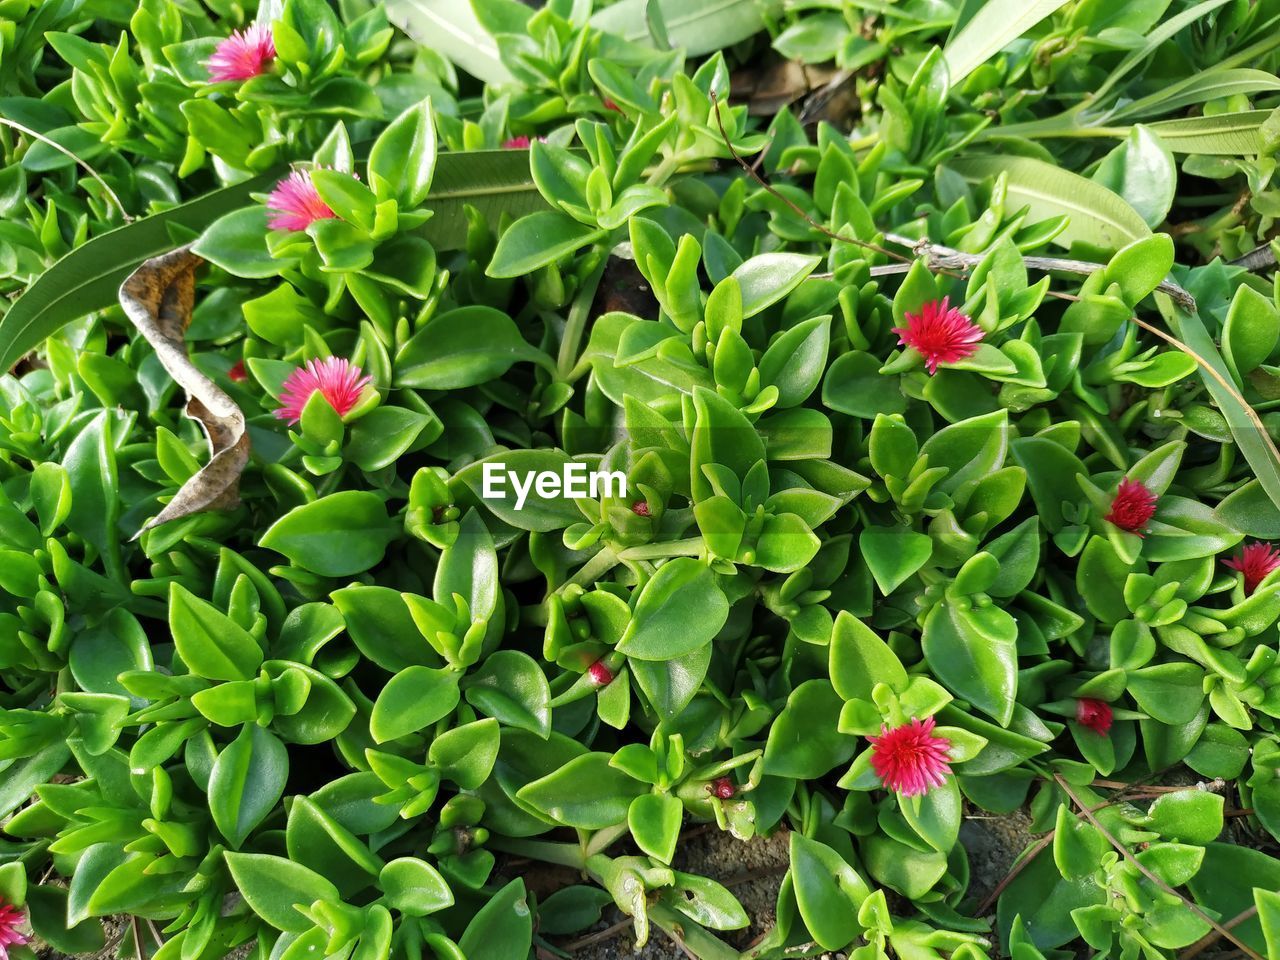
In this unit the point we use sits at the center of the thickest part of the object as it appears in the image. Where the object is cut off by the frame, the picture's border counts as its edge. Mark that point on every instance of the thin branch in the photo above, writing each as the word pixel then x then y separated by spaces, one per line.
pixel 769 188
pixel 608 933
pixel 1208 368
pixel 1025 861
pixel 1209 786
pixel 1213 936
pixel 21 128
pixel 1222 381
pixel 941 258
pixel 1128 855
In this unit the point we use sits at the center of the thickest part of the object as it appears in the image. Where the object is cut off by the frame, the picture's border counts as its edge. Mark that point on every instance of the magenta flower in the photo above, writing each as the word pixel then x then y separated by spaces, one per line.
pixel 940 333
pixel 1132 507
pixel 910 759
pixel 600 674
pixel 336 378
pixel 11 918
pixel 516 143
pixel 243 55
pixel 1256 561
pixel 724 788
pixel 295 203
pixel 1094 714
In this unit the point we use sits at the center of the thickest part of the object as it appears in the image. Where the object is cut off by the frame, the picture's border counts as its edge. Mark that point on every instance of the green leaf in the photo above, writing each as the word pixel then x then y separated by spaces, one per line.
pixel 828 892
pixel 654 820
pixel 537 240
pixel 451 29
pixel 768 277
pixel 461 348
pixel 1188 816
pixel 995 25
pixel 469 568
pixel 1212 84
pixel 88 277
pixel 1097 216
pixel 247 782
pixel 210 643
pixel 502 929
pixel 795 361
pixel 1247 429
pixel 510 687
pixel 893 554
pixel 237 243
pixel 496 183
pixel 275 887
pixel 543 514
pixel 1142 172
pixel 1224 134
pixel 586 792
pixel 804 742
pixel 859 660
pixel 1251 331
pixel 336 536
pixel 414 887
pixel 699 26
pixel 412 700
pixel 678 611
pixel 403 158
pixel 973 651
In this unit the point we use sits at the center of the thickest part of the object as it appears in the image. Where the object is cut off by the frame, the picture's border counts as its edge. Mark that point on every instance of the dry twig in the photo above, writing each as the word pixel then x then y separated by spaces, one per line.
pixel 1128 855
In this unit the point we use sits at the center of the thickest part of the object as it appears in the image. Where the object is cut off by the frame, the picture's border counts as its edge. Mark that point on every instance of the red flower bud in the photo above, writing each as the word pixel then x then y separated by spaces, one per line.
pixel 1094 714
pixel 600 675
pixel 724 788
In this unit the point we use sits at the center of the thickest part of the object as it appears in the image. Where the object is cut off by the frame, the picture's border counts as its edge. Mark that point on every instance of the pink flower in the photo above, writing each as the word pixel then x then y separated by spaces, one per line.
pixel 337 380
pixel 910 759
pixel 295 203
pixel 600 674
pixel 1256 561
pixel 516 143
pixel 1094 714
pixel 10 936
pixel 641 508
pixel 940 333
pixel 243 55
pixel 1132 507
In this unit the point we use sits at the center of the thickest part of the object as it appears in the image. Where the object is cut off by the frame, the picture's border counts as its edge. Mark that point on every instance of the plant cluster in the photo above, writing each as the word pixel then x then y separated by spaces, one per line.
pixel 947 432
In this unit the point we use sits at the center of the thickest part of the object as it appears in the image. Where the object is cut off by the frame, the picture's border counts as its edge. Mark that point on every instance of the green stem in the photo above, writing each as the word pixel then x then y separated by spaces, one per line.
pixel 576 322
pixel 602 840
pixel 691 547
pixel 565 854
pixel 663 172
pixel 680 928
pixel 593 569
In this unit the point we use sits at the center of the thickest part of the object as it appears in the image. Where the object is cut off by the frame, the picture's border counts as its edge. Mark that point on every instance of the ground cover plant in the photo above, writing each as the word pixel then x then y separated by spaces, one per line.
pixel 934 348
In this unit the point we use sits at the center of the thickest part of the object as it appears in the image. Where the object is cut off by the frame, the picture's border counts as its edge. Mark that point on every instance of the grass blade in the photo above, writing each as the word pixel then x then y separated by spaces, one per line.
pixel 699 26
pixel 87 278
pixel 990 30
pixel 450 28
pixel 1226 135
pixel 1098 216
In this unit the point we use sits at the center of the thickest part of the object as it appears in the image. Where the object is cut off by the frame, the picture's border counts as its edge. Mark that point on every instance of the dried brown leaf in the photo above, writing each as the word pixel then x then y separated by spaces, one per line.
pixel 157 298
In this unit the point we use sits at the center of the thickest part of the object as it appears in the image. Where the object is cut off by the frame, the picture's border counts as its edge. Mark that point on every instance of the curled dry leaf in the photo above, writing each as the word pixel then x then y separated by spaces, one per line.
pixel 157 298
